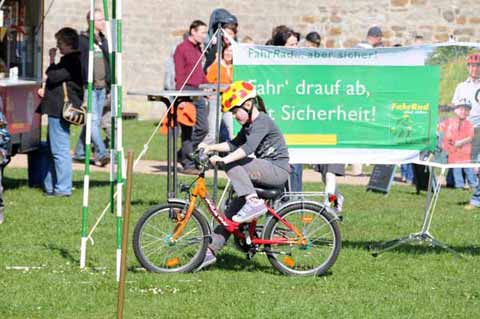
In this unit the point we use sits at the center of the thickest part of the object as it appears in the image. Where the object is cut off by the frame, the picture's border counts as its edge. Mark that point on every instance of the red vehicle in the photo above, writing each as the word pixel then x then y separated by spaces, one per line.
pixel 21 44
pixel 300 237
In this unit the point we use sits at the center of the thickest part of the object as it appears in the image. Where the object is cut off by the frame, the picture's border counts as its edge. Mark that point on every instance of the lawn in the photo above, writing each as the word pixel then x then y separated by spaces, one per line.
pixel 136 134
pixel 409 282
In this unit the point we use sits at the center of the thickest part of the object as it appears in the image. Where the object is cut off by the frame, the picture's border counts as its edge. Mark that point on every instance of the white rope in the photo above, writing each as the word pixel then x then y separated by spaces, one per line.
pixel 157 128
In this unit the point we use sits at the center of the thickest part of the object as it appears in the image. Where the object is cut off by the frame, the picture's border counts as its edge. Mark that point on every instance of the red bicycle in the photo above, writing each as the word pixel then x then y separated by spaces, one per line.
pixel 300 237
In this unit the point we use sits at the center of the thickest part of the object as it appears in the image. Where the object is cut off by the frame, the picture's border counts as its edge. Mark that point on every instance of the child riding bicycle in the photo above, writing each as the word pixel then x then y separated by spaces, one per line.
pixel 269 168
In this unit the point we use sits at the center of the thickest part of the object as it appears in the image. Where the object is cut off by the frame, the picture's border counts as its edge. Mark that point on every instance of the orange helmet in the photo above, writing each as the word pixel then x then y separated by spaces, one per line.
pixel 473 58
pixel 236 94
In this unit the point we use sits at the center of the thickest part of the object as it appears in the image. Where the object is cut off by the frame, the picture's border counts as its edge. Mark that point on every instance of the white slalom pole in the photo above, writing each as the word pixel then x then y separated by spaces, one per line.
pixel 88 138
pixel 117 18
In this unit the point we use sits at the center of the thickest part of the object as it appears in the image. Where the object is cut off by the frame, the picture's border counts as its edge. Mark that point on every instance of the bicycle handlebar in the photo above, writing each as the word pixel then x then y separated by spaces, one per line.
pixel 202 159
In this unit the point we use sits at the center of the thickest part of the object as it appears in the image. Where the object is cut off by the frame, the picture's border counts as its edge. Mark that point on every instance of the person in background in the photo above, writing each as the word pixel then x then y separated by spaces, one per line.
pixel 189 75
pixel 469 90
pixel 169 77
pixel 229 23
pixel 457 142
pixel 313 40
pixel 286 37
pixel 4 145
pixel 230 31
pixel 275 30
pixel 58 181
pixel 373 40
pixel 101 87
pixel 406 173
pixel 329 177
pixel 226 77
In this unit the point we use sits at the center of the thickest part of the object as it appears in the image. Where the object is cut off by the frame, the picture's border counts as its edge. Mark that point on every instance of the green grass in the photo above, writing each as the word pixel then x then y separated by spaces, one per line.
pixel 409 282
pixel 136 134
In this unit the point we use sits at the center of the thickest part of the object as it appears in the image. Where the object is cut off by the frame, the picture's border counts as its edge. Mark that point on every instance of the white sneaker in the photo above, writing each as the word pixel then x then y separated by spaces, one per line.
pixel 251 210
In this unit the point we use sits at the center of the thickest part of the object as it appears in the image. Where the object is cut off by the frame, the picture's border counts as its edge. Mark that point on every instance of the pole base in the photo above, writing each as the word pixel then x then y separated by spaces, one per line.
pixel 83 252
pixel 420 237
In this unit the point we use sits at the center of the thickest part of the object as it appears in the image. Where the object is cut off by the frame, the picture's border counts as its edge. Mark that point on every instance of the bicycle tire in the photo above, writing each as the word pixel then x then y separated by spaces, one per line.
pixel 290 265
pixel 169 265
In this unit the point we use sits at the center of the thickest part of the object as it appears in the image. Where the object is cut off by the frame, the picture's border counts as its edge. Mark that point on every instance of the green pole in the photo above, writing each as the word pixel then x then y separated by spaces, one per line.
pixel 112 106
pixel 117 18
pixel 88 138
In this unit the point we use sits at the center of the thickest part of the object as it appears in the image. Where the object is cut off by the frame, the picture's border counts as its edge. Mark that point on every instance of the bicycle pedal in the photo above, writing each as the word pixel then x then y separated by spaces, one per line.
pixel 251 253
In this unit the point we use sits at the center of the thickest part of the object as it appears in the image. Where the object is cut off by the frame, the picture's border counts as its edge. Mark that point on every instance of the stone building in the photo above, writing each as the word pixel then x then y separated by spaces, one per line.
pixel 152 27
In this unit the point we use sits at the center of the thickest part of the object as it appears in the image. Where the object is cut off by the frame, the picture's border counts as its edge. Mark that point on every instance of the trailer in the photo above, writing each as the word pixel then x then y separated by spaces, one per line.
pixel 21 56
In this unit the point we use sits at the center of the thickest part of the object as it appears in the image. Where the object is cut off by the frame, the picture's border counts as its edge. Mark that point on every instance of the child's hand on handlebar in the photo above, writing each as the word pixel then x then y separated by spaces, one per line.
pixel 205 147
pixel 216 159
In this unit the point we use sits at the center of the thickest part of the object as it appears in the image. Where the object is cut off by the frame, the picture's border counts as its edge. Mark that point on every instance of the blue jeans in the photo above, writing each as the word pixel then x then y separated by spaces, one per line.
pixel 407 172
pixel 296 184
pixel 458 179
pixel 475 200
pixel 98 102
pixel 59 175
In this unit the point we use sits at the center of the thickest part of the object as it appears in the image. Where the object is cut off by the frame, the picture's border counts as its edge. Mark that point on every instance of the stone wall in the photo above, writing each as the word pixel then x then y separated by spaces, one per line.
pixel 152 27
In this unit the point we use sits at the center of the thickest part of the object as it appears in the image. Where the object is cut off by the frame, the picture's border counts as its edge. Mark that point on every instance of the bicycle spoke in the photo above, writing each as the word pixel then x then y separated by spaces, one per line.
pixel 157 229
pixel 311 255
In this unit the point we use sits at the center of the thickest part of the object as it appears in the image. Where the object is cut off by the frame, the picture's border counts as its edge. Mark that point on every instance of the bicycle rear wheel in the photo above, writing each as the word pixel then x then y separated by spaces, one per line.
pixel 321 232
pixel 151 240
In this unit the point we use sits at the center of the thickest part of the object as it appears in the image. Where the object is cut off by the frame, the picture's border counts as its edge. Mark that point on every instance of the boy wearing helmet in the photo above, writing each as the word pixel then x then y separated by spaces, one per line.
pixel 470 90
pixel 457 142
pixel 269 168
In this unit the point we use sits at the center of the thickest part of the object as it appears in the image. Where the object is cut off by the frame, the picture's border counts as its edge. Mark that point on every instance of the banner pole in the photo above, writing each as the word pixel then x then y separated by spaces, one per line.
pixel 88 137
pixel 219 105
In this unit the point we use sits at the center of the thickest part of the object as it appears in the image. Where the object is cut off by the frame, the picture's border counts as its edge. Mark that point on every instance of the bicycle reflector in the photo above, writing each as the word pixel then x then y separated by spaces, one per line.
pixel 287 260
pixel 332 198
pixel 307 219
pixel 172 262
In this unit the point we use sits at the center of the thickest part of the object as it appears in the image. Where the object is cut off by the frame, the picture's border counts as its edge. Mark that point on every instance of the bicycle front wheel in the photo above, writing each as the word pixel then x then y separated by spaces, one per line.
pixel 317 254
pixel 151 240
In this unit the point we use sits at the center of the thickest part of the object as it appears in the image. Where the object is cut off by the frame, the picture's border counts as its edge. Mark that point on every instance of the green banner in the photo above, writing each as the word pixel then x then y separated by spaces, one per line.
pixel 339 106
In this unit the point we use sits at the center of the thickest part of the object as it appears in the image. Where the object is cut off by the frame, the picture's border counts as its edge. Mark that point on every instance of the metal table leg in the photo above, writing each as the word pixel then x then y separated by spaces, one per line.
pixel 424 234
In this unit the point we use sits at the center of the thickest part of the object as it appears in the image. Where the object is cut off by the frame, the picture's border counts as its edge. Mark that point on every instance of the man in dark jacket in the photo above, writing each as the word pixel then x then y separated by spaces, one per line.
pixel 101 86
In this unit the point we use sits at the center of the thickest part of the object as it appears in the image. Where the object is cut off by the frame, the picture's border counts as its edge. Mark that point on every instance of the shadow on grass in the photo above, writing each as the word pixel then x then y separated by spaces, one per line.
pixel 64 253
pixel 229 262
pixel 414 248
pixel 141 202
pixel 13 183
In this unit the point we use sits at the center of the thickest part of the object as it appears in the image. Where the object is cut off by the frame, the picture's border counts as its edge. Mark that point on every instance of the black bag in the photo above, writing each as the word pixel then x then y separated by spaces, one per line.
pixel 71 113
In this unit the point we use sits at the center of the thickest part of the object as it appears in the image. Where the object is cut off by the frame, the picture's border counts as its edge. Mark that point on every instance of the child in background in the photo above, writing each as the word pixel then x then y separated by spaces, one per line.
pixel 458 135
pixel 4 143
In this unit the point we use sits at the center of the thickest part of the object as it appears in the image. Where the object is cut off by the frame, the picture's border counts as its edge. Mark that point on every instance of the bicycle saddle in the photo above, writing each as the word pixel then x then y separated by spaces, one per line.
pixel 269 193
